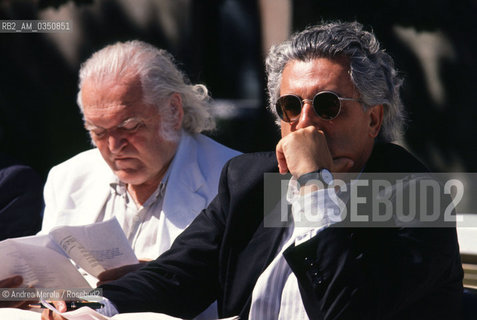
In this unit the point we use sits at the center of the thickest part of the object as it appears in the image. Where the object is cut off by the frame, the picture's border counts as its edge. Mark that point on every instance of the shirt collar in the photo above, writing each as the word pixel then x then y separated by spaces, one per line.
pixel 119 188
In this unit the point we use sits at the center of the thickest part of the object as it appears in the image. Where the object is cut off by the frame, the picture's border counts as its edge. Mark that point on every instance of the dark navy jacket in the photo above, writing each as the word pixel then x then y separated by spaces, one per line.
pixel 21 200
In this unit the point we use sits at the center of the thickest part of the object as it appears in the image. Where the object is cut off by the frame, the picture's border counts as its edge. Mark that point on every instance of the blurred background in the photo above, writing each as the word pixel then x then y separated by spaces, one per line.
pixel 222 43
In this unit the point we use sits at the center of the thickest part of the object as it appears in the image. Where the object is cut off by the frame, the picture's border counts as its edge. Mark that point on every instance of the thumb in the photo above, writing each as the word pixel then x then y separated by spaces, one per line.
pixel 282 161
pixel 60 306
pixel 11 282
pixel 342 164
pixel 109 275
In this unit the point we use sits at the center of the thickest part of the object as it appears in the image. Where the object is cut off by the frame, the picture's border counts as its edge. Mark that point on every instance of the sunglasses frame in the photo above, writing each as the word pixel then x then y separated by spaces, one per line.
pixel 302 102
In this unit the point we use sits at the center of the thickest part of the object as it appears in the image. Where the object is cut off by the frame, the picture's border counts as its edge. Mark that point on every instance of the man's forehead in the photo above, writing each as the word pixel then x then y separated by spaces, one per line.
pixel 107 114
pixel 341 63
pixel 109 92
pixel 315 75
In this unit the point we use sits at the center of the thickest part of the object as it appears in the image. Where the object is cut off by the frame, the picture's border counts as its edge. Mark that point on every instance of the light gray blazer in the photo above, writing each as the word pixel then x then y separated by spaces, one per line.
pixel 77 190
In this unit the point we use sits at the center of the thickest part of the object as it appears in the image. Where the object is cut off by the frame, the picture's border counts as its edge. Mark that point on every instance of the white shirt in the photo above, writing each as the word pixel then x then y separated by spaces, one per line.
pixel 276 294
pixel 79 191
pixel 143 225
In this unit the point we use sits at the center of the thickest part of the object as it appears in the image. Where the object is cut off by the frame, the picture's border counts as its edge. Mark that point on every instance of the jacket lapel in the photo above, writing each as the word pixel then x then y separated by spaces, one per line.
pixel 90 199
pixel 251 262
pixel 184 186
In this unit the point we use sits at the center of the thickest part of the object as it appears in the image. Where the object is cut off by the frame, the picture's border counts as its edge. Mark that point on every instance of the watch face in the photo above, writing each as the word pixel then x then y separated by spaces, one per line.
pixel 326 176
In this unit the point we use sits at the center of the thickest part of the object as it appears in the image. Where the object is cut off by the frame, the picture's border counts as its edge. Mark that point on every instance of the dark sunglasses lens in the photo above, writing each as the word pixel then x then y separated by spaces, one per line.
pixel 288 108
pixel 327 105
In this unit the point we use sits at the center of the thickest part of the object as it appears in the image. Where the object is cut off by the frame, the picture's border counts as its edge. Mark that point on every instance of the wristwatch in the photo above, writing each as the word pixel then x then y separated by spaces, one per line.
pixel 323 175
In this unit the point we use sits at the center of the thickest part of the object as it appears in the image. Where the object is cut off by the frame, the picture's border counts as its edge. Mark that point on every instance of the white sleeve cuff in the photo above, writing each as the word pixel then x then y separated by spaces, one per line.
pixel 317 209
pixel 108 308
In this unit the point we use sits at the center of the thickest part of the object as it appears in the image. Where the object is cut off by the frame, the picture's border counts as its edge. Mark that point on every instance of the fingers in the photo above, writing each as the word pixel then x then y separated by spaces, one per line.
pixel 46 315
pixel 11 282
pixel 302 151
pixel 282 162
pixel 60 306
pixel 22 304
pixel 15 304
pixel 50 315
pixel 116 273
pixel 107 275
pixel 112 274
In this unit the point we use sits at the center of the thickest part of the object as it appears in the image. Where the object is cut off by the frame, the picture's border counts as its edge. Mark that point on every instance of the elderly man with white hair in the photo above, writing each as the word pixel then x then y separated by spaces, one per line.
pixel 151 168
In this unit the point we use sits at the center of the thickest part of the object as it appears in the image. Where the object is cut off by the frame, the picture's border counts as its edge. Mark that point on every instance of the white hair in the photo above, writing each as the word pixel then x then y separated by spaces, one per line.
pixel 160 77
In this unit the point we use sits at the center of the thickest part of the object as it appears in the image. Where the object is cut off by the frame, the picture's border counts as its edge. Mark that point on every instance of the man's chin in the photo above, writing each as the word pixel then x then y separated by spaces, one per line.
pixel 129 176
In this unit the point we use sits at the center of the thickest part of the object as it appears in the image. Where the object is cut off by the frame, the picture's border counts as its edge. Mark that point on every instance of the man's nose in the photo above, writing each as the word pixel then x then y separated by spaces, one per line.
pixel 307 116
pixel 116 142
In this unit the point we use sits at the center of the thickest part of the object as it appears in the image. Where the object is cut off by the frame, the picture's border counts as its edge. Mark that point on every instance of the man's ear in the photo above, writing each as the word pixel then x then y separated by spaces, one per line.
pixel 177 111
pixel 375 114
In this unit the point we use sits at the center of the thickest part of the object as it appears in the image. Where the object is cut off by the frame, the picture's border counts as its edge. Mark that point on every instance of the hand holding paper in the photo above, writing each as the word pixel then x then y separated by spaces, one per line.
pixel 43 261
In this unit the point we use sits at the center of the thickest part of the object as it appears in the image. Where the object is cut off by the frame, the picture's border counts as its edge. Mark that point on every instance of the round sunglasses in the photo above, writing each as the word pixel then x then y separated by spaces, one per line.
pixel 326 104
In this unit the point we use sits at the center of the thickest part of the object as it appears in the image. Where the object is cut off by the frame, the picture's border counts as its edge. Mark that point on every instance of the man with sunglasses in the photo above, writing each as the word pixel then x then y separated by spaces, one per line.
pixel 336 95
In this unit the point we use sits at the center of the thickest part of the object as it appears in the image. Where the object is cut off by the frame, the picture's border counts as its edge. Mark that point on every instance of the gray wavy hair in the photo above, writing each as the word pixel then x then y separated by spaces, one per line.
pixel 371 68
pixel 160 77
